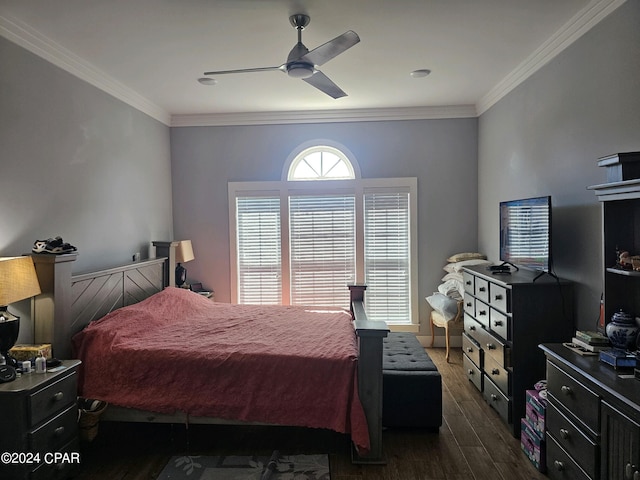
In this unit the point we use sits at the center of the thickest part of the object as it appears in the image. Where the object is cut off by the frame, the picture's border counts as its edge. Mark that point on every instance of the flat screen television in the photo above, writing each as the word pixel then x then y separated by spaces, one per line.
pixel 525 233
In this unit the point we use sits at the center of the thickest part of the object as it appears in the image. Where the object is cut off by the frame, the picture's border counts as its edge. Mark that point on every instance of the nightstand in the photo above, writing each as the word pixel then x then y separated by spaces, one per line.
pixel 40 416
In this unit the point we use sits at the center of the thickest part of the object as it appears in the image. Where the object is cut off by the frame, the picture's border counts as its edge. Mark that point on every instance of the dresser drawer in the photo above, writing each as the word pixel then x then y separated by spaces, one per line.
pixel 469 282
pixel 498 298
pixel 63 470
pixel 498 375
pixel 500 324
pixel 482 289
pixel 574 396
pixel 569 436
pixel 469 305
pixel 51 399
pixel 560 466
pixel 473 373
pixel 482 313
pixel 497 349
pixel 471 327
pixel 497 400
pixel 471 349
pixel 55 433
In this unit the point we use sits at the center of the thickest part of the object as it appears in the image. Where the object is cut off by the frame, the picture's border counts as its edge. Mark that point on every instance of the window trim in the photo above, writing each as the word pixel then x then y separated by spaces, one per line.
pixel 357 187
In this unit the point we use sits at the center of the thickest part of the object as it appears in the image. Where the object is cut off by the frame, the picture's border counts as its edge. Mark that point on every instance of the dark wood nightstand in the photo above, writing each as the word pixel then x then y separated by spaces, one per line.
pixel 40 418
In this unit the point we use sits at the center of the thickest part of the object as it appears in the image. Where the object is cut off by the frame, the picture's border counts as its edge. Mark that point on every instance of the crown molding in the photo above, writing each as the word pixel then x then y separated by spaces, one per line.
pixel 571 31
pixel 30 39
pixel 323 116
pixel 33 41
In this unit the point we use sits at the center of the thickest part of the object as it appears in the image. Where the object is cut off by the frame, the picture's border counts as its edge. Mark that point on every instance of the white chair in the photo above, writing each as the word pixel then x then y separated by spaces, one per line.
pixel 436 319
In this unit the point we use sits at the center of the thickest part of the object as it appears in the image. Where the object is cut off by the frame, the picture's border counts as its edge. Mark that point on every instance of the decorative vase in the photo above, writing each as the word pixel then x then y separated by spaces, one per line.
pixel 622 331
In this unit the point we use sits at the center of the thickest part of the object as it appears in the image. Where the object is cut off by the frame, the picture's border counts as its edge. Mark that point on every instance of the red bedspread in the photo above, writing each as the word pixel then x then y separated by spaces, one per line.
pixel 178 351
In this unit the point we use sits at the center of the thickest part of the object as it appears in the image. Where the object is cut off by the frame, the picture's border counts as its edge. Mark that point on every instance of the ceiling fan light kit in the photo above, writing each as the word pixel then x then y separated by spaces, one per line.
pixel 302 63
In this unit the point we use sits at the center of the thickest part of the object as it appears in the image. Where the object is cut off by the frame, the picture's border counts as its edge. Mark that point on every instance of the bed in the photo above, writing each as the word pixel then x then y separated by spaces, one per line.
pixel 297 370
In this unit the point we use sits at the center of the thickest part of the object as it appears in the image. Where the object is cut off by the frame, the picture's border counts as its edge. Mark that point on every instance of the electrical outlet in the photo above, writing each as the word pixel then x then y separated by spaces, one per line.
pixel 136 257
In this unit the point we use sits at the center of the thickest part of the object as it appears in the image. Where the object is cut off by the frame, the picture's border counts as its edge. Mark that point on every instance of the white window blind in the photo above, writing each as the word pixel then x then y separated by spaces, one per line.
pixel 259 250
pixel 387 256
pixel 322 249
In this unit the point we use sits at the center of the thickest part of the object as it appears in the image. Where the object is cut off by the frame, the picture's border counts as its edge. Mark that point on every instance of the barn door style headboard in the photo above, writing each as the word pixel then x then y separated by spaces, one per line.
pixel 69 302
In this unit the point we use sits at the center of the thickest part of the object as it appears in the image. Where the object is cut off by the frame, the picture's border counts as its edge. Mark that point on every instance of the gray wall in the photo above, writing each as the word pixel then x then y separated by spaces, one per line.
pixel 545 138
pixel 440 153
pixel 78 163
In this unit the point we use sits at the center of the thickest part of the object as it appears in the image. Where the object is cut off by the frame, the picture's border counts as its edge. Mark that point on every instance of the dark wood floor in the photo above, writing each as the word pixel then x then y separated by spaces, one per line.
pixel 471 444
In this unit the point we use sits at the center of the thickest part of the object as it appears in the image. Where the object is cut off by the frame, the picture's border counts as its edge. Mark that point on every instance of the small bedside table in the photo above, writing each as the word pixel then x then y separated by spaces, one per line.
pixel 40 416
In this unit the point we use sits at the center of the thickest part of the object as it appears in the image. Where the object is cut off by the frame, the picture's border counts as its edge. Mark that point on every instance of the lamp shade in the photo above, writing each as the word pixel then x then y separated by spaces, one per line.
pixel 18 279
pixel 184 251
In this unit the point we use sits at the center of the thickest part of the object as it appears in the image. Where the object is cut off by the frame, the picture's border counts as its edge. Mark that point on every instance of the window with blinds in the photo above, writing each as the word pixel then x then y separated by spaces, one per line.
pixel 387 256
pixel 259 250
pixel 302 240
pixel 322 246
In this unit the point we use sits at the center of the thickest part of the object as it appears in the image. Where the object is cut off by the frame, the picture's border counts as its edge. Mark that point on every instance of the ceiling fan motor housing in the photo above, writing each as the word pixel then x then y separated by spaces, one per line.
pixel 300 69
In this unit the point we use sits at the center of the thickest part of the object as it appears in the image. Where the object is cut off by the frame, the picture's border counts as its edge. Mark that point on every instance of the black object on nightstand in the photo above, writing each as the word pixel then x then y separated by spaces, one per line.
pixel 40 416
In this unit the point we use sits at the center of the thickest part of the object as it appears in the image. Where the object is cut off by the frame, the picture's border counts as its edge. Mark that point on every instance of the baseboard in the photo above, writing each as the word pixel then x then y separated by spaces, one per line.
pixel 455 341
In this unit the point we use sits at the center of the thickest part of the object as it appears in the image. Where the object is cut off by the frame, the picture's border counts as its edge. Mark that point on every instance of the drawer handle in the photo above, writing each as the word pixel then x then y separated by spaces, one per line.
pixel 559 465
pixel 469 304
pixel 472 328
pixel 57 397
pixel 470 372
pixel 497 323
pixel 482 289
pixel 498 297
pixel 468 282
pixel 566 390
pixel 564 433
pixel 494 397
pixel 491 346
pixel 482 312
pixel 58 432
pixel 495 371
pixel 469 350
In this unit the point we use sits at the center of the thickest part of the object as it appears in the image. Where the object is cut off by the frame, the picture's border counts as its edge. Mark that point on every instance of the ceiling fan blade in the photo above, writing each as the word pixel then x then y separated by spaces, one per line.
pixel 322 83
pixel 332 48
pixel 248 70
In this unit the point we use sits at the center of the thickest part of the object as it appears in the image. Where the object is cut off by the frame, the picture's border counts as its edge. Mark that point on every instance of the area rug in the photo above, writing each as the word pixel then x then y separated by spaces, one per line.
pixel 276 467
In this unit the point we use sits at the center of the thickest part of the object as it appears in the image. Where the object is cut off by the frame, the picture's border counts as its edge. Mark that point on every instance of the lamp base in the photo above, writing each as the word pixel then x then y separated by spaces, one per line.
pixel 181 275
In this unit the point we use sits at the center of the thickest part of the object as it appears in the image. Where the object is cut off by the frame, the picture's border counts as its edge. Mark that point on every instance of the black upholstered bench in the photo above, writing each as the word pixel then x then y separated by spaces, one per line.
pixel 412 386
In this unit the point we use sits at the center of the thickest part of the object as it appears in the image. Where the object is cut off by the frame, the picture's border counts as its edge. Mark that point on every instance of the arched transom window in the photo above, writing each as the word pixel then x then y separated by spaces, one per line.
pixel 321 163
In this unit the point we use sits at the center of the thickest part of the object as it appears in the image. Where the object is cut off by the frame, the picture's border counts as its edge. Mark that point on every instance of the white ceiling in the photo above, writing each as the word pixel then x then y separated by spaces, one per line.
pixel 150 53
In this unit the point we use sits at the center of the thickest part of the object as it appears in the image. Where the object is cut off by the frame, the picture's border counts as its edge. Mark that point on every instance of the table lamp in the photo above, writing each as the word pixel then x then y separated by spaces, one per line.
pixel 184 253
pixel 18 280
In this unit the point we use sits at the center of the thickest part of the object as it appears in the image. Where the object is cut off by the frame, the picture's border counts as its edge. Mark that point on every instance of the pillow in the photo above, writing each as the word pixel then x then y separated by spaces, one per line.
pixel 457 266
pixel 459 257
pixel 445 306
pixel 452 288
pixel 453 276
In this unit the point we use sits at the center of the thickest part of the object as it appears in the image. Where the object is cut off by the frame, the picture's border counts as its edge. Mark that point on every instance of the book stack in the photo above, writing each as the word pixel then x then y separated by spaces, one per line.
pixel 586 342
pixel 591 341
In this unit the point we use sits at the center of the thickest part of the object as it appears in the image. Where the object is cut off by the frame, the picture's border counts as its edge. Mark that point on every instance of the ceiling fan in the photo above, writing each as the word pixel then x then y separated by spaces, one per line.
pixel 302 63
